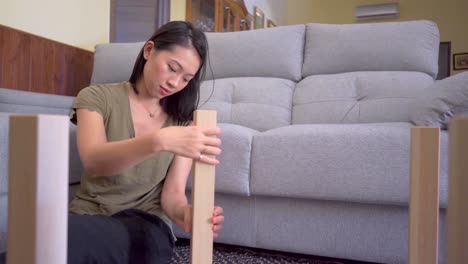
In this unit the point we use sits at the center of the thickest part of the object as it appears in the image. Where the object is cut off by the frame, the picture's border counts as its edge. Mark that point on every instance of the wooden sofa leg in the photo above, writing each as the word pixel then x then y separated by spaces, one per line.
pixel 203 188
pixel 424 196
pixel 457 235
pixel 38 189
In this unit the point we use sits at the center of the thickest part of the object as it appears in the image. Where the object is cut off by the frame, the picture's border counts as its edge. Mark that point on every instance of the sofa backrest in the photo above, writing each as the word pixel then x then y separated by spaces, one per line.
pixel 259 103
pixel 365 73
pixel 253 77
pixel 357 97
pixel 113 62
pixel 272 52
pixel 391 46
pixel 345 73
pixel 254 72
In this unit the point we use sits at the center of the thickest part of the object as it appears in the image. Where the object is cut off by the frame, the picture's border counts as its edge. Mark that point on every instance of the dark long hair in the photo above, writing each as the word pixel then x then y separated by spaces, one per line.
pixel 179 106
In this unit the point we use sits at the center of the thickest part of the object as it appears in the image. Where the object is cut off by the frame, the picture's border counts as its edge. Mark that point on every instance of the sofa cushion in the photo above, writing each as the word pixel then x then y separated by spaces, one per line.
pixel 113 62
pixel 272 52
pixel 441 101
pixel 233 173
pixel 257 103
pixel 366 163
pixel 357 97
pixel 390 46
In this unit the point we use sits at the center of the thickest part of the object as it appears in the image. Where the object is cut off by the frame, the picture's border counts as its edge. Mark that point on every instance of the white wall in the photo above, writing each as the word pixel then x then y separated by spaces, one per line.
pixel 80 23
pixel 178 10
pixel 273 9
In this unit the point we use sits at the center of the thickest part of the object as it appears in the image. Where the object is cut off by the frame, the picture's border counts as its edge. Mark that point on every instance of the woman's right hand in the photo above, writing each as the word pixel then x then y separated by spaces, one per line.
pixel 191 142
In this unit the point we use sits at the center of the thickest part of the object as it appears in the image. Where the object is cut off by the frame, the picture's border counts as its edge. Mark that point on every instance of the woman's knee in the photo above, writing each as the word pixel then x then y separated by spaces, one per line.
pixel 96 239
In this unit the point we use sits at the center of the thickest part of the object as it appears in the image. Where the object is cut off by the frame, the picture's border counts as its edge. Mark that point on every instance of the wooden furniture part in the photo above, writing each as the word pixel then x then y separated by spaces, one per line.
pixel 457 212
pixel 32 63
pixel 219 15
pixel 424 195
pixel 201 243
pixel 38 189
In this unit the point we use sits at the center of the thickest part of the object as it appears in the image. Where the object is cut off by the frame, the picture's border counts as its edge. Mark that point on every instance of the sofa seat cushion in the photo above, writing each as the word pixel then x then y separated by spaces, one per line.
pixel 232 174
pixel 357 97
pixel 366 163
pixel 258 103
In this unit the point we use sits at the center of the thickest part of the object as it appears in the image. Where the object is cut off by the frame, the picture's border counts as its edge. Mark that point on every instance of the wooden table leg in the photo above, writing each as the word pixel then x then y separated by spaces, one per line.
pixel 424 196
pixel 203 188
pixel 457 235
pixel 38 189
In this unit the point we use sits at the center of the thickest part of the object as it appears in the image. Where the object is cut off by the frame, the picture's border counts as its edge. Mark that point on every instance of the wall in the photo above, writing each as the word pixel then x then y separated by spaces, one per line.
pixel 450 15
pixel 80 23
pixel 178 10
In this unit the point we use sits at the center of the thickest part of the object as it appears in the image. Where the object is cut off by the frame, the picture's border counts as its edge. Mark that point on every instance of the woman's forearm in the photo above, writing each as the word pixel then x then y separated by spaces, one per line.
pixel 176 207
pixel 110 158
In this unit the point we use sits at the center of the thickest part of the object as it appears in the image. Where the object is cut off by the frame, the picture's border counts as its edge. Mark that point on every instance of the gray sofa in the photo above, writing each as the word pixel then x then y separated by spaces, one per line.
pixel 316 125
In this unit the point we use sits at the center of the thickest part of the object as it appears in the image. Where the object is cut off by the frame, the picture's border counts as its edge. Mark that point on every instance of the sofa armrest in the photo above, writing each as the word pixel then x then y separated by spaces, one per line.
pixel 4 135
pixel 75 167
pixel 16 101
pixel 441 101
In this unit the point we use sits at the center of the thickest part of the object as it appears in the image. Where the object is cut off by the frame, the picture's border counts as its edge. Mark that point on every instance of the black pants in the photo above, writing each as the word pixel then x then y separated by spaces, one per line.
pixel 127 237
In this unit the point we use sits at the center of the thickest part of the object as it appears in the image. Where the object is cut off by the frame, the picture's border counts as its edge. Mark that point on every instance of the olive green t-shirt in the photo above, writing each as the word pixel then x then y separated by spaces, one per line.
pixel 140 186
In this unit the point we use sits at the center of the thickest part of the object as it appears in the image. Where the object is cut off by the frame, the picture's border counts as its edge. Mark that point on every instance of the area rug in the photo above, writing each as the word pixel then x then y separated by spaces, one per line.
pixel 226 254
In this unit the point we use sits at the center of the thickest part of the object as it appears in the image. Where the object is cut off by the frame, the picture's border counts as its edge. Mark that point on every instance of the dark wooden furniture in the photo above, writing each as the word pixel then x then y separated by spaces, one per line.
pixel 219 15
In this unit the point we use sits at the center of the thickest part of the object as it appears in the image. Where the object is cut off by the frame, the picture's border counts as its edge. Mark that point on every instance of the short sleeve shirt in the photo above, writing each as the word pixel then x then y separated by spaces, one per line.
pixel 140 186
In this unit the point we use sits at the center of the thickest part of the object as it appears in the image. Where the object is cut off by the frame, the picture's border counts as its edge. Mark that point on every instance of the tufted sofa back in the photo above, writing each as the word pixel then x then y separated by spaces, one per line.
pixel 306 74
pixel 364 73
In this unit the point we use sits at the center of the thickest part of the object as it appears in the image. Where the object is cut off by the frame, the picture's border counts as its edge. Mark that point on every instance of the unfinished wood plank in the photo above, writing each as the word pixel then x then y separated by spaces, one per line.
pixel 457 211
pixel 38 189
pixel 424 195
pixel 203 188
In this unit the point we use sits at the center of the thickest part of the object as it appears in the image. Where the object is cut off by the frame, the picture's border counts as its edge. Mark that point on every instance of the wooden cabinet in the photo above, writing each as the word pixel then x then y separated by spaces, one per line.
pixel 219 15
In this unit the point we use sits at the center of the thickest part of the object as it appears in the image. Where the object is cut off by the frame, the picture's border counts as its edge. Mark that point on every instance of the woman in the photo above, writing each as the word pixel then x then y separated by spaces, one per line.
pixel 137 144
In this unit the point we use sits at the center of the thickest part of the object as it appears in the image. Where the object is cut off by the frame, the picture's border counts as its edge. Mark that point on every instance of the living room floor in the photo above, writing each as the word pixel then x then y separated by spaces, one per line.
pixel 224 253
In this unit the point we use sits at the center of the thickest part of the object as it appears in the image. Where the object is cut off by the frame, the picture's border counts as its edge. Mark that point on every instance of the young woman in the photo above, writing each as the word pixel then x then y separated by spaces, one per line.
pixel 136 143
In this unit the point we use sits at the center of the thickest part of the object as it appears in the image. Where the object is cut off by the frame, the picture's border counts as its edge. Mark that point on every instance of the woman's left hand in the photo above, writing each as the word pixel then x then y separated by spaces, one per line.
pixel 217 219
